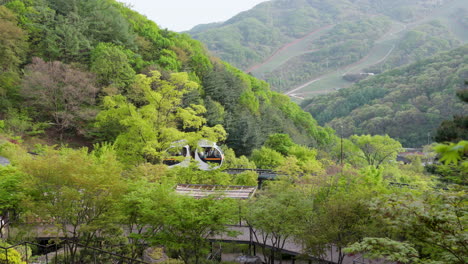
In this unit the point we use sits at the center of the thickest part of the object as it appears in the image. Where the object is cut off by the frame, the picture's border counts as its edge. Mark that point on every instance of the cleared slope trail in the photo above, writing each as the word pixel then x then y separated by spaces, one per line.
pixel 383 48
pixel 286 47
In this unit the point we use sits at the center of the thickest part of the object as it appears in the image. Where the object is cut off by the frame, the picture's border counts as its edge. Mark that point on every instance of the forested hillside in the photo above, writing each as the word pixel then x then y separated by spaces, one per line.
pixel 252 35
pixel 344 44
pixel 305 47
pixel 104 72
pixel 421 42
pixel 96 100
pixel 407 103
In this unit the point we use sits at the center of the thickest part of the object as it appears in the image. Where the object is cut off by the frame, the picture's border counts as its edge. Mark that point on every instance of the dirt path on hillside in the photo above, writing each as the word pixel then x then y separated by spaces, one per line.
pixel 349 66
pixel 286 46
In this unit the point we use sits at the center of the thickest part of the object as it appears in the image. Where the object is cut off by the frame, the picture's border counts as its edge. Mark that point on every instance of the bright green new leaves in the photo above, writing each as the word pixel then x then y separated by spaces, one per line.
pixel 188 222
pixel 11 194
pixel 279 142
pixel 10 256
pixel 277 215
pixel 146 132
pixel 74 189
pixel 376 150
pixel 455 157
pixel 266 158
pixel 453 153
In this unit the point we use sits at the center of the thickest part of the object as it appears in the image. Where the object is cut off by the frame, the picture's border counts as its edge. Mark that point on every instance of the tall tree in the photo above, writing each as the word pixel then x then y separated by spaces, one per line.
pixel 376 150
pixel 189 222
pixel 275 216
pixel 146 132
pixel 59 92
pixel 74 190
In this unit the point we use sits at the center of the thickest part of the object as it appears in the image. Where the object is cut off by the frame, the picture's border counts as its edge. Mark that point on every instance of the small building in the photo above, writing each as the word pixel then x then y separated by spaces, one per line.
pixel 223 191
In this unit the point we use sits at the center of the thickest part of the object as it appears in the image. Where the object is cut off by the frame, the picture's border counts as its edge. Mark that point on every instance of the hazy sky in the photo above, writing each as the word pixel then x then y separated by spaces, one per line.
pixel 181 15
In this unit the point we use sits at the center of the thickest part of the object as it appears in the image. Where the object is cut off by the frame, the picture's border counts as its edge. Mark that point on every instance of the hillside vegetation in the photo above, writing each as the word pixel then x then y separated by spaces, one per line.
pixel 421 42
pixel 361 36
pixel 93 95
pixel 407 103
pixel 344 44
pixel 106 73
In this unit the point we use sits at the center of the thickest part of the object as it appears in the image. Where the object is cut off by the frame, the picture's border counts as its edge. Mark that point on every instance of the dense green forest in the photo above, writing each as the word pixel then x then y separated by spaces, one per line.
pixel 252 35
pixel 120 61
pixel 421 42
pixel 407 103
pixel 93 95
pixel 292 44
pixel 345 43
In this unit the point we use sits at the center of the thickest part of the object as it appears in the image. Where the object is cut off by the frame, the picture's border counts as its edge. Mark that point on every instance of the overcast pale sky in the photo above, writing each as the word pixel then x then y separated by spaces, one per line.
pixel 181 15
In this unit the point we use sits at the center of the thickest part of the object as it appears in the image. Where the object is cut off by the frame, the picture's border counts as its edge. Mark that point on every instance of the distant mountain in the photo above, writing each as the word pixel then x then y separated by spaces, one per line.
pixel 407 103
pixel 306 46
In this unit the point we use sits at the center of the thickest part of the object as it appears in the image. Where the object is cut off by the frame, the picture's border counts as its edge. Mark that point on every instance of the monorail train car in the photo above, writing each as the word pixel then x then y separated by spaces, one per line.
pixel 207 154
pixel 179 154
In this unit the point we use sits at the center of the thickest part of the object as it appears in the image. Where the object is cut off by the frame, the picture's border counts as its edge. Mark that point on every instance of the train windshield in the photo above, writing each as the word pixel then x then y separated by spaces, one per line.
pixel 176 155
pixel 210 154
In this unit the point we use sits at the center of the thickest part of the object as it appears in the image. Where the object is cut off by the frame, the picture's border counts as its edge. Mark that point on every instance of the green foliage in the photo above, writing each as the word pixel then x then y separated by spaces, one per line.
pixel 11 255
pixel 453 152
pixel 344 44
pixel 339 220
pixel 115 43
pixel 378 248
pixel 455 159
pixel 433 222
pixel 13 48
pixel 231 161
pixel 13 45
pixel 246 178
pixel 421 42
pixel 405 103
pixel 279 142
pixel 111 66
pixel 453 130
pixel 18 122
pixel 192 175
pixel 10 188
pixel 376 150
pixel 11 195
pixel 252 36
pixel 188 222
pixel 274 214
pixel 266 158
pixel 146 132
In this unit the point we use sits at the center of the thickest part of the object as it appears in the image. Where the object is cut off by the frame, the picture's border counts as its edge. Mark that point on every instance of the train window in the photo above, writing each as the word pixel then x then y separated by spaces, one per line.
pixel 210 154
pixel 176 155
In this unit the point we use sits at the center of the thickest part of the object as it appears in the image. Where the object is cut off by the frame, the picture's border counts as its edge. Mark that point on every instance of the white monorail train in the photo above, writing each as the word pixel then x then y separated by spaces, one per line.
pixel 207 154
